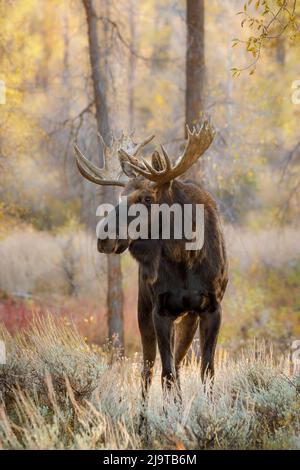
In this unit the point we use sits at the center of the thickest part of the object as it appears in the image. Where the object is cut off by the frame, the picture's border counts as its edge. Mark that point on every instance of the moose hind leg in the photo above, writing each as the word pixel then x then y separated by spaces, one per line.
pixel 148 337
pixel 184 335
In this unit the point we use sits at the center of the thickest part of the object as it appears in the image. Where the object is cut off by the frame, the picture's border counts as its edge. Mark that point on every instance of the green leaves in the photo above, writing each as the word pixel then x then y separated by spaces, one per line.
pixel 267 24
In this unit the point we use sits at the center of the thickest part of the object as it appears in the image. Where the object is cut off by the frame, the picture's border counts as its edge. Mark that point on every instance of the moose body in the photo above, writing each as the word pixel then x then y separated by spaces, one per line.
pixel 179 290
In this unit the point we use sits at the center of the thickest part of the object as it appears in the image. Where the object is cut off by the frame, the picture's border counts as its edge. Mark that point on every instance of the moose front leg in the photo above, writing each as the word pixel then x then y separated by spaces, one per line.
pixel 148 337
pixel 165 333
pixel 209 329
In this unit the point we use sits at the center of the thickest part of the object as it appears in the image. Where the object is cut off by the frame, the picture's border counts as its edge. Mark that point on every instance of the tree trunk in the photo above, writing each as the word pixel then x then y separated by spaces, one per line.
pixel 131 65
pixel 280 51
pixel 195 61
pixel 114 276
pixel 98 79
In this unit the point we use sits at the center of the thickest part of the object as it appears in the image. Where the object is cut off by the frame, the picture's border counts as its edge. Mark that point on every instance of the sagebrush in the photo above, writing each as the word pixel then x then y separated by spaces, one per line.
pixel 58 392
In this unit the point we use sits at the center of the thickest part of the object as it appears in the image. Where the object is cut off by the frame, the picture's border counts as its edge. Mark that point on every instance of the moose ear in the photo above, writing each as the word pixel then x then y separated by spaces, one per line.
pixel 156 161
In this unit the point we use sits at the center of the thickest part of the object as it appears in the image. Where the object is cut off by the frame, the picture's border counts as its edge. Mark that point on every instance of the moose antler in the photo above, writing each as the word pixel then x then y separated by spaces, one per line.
pixel 110 173
pixel 161 170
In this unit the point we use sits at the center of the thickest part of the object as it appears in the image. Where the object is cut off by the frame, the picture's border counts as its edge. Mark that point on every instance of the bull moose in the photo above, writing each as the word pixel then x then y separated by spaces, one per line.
pixel 178 289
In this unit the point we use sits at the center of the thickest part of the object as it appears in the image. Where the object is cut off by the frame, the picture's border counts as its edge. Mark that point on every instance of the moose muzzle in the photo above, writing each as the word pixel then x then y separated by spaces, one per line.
pixel 108 234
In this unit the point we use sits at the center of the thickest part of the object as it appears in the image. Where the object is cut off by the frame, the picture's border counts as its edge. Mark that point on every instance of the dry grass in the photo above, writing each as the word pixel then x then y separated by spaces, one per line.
pixel 272 247
pixel 68 263
pixel 38 263
pixel 58 392
pixel 64 274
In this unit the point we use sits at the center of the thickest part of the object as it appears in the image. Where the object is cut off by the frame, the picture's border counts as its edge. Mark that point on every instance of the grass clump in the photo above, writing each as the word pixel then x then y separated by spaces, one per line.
pixel 58 392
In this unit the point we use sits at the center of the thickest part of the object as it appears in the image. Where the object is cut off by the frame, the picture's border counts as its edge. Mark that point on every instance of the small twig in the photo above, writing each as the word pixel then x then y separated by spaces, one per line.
pixel 121 38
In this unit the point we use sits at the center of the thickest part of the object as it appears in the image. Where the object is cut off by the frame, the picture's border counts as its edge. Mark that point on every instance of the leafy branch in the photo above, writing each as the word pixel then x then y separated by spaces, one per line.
pixel 267 20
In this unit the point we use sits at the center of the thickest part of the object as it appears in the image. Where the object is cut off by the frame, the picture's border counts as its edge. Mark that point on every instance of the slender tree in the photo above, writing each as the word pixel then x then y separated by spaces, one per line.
pixel 195 61
pixel 131 65
pixel 98 78
pixel 114 275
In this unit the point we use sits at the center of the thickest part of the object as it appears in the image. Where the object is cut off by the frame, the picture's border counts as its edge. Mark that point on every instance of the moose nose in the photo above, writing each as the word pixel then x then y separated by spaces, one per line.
pixel 106 246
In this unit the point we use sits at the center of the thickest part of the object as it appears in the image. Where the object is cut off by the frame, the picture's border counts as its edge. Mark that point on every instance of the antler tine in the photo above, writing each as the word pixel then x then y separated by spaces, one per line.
pixel 198 142
pixel 166 159
pixel 93 168
pixel 152 170
pixel 105 148
pixel 142 172
pixel 164 164
pixel 123 155
pixel 142 166
pixel 79 157
pixel 143 144
pixel 102 140
pixel 91 172
pixel 86 174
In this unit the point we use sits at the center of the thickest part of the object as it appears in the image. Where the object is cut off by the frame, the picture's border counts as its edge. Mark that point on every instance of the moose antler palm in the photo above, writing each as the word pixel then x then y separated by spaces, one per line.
pixel 160 171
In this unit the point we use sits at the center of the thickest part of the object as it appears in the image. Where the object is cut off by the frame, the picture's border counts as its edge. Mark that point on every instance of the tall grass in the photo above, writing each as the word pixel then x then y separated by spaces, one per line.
pixel 58 392
pixel 68 262
pixel 40 263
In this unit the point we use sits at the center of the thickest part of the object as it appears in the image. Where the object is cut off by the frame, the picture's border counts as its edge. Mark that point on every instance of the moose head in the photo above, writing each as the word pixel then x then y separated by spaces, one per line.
pixel 143 182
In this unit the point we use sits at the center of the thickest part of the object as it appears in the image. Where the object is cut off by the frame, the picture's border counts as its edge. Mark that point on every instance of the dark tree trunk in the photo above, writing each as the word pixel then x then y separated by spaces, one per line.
pixel 195 61
pixel 114 276
pixel 98 78
pixel 131 66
